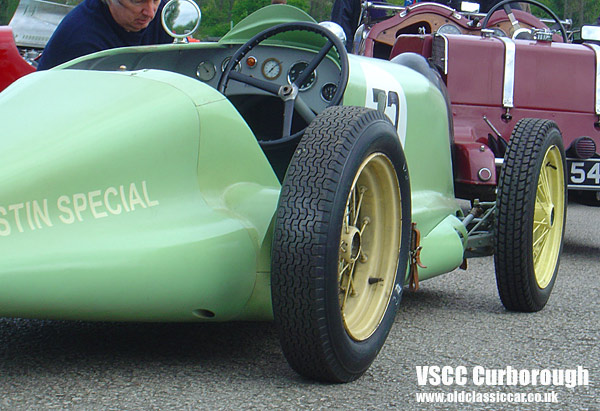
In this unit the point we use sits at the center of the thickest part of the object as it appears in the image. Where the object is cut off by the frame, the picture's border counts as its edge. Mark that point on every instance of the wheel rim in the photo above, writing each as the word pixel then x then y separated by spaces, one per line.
pixel 548 221
pixel 369 246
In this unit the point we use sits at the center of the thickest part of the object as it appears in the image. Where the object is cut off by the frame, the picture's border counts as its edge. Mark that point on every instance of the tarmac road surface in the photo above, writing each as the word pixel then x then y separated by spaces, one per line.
pixel 455 320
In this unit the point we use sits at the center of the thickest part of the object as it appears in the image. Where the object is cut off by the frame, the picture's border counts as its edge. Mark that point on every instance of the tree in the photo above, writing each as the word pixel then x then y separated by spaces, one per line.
pixel 320 10
pixel 218 16
pixel 580 11
pixel 243 8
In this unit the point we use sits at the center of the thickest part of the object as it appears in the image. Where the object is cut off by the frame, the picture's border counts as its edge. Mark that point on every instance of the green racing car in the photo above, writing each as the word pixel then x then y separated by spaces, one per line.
pixel 266 176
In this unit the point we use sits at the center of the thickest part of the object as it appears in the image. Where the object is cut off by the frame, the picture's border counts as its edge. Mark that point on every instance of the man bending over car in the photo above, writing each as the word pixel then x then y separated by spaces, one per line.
pixel 96 25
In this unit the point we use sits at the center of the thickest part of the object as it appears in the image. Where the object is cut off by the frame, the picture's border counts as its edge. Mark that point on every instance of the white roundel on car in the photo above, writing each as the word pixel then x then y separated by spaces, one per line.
pixel 384 93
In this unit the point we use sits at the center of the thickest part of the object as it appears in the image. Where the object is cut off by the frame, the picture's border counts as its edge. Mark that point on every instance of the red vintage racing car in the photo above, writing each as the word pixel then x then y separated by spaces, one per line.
pixel 498 69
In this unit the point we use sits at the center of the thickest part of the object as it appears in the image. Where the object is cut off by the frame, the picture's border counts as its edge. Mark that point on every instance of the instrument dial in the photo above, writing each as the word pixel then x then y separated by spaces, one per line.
pixel 238 67
pixel 449 28
pixel 206 71
pixel 328 91
pixel 295 72
pixel 271 68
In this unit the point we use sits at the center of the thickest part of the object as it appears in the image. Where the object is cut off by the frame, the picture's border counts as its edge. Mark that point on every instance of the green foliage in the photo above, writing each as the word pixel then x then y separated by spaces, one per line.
pixel 580 11
pixel 218 16
pixel 243 8
pixel 301 4
pixel 7 9
pixel 320 10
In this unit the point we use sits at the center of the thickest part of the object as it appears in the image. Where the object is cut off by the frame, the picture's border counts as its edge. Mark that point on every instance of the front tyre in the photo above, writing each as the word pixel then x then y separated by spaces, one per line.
pixel 531 205
pixel 341 242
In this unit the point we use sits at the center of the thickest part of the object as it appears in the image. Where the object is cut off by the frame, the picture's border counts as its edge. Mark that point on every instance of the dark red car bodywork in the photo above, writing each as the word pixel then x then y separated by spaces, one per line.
pixel 12 65
pixel 494 82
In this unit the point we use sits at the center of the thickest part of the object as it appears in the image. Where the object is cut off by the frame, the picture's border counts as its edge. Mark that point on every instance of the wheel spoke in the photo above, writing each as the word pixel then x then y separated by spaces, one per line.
pixel 542 221
pixel 344 268
pixel 304 110
pixel 542 214
pixel 348 214
pixel 313 64
pixel 256 82
pixel 352 207
pixel 362 191
pixel 544 209
pixel 288 114
pixel 540 241
pixel 541 225
pixel 349 285
pixel 547 186
pixel 365 223
pixel 544 187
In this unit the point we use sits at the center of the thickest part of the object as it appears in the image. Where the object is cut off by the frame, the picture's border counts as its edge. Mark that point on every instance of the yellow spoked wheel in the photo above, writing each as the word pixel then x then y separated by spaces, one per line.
pixel 531 214
pixel 369 246
pixel 548 220
pixel 340 244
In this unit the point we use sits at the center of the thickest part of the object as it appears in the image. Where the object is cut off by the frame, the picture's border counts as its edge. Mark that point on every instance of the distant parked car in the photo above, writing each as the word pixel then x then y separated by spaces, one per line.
pixel 22 41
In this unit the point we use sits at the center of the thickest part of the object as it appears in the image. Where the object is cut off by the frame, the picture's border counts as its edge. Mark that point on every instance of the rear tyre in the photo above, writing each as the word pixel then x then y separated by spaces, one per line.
pixel 341 242
pixel 531 206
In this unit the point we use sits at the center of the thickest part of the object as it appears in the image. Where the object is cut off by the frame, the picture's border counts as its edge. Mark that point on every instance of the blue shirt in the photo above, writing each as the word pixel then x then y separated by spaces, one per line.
pixel 90 27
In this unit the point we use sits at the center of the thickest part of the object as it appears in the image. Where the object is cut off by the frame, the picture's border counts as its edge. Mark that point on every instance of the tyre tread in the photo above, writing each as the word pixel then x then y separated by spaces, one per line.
pixel 300 241
pixel 516 197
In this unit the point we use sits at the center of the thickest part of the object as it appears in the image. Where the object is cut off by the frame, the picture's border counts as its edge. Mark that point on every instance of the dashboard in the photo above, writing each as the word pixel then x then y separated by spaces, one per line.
pixel 276 64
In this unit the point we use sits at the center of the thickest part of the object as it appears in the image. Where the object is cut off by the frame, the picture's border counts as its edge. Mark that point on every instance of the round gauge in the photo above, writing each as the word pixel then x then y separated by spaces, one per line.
pixel 271 68
pixel 295 72
pixel 328 91
pixel 225 62
pixel 449 28
pixel 206 71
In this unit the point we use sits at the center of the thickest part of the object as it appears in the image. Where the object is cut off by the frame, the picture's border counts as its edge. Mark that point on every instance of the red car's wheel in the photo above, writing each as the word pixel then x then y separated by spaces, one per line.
pixel 531 206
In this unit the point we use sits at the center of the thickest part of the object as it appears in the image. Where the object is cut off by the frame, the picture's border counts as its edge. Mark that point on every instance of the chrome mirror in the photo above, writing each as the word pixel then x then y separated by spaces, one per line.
pixel 181 18
pixel 590 33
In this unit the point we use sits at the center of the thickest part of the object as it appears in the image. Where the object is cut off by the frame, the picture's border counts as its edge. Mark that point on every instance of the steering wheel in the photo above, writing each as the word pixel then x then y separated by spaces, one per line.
pixel 289 92
pixel 506 5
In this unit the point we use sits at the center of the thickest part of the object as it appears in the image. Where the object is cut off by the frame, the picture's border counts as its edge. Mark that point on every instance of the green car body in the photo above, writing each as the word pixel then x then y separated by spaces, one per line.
pixel 144 196
pixel 296 184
